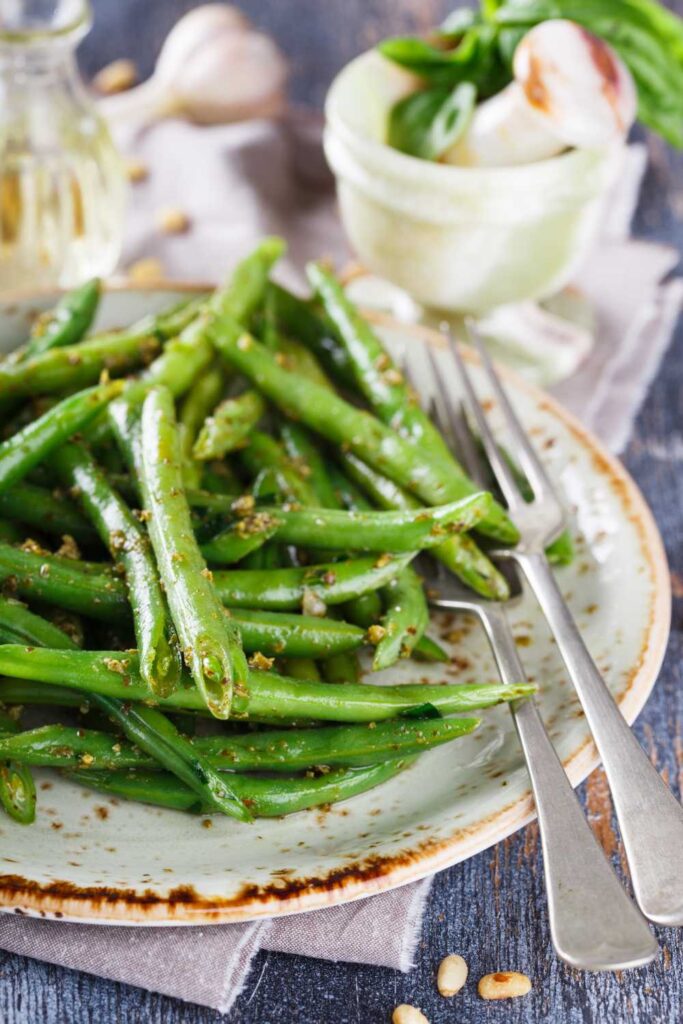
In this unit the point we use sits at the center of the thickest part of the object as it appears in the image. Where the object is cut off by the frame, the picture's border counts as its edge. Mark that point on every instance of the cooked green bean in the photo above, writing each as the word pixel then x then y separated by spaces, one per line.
pixel 17 788
pixel 288 589
pixel 285 750
pixel 295 636
pixel 339 530
pixel 405 619
pixel 229 426
pixel 151 731
pixel 197 404
pixel 265 798
pixel 25 449
pixel 341 668
pixel 265 694
pixel 121 532
pixel 67 323
pixel 459 554
pixel 239 539
pixel 38 577
pixel 210 644
pixel 264 452
pixel 37 506
pixel 334 418
pixel 18 625
pixel 297 318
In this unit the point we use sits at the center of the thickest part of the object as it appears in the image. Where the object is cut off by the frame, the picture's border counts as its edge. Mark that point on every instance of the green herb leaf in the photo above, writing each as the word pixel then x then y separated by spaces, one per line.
pixel 426 124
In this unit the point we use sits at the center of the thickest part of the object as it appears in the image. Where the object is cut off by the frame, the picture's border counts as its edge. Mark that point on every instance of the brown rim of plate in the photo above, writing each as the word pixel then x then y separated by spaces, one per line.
pixel 373 874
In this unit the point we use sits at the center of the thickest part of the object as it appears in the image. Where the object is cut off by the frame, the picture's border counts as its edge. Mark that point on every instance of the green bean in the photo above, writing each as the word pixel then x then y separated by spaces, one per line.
pixel 18 625
pixel 288 589
pixel 405 619
pixel 10 532
pixel 37 506
pixel 339 530
pixel 246 289
pixel 343 424
pixel 265 798
pixel 459 554
pixel 301 448
pixel 285 750
pixel 239 539
pixel 68 322
pixel 229 426
pixel 120 531
pixel 296 636
pixel 264 695
pixel 77 366
pixel 210 645
pixel 264 452
pixel 198 403
pixel 427 649
pixel 28 447
pixel 298 318
pixel 17 788
pixel 375 373
pixel 341 668
pixel 303 668
pixel 38 577
pixel 155 734
pixel 365 610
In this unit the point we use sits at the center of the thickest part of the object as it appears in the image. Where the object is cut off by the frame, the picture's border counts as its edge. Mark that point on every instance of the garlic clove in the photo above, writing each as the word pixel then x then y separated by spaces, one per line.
pixel 503 131
pixel 195 30
pixel 239 75
pixel 213 68
pixel 575 84
pixel 570 89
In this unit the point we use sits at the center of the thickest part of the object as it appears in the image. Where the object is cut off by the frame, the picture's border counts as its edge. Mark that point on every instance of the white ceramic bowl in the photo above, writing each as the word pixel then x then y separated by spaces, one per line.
pixel 456 238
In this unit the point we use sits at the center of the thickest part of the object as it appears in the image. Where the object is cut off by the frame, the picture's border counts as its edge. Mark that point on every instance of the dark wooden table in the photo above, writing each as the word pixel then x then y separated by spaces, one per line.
pixel 490 909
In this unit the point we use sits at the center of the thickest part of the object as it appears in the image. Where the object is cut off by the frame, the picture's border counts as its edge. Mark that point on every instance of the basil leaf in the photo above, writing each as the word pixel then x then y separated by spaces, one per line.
pixel 421 711
pixel 426 124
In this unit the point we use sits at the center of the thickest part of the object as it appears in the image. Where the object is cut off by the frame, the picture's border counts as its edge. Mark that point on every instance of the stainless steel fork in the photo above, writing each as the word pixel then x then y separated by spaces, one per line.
pixel 593 923
pixel 650 817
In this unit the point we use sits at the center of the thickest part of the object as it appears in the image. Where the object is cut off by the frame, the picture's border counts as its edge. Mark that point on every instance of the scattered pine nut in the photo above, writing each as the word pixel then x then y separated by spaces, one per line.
pixel 173 221
pixel 145 271
pixel 405 1014
pixel 452 975
pixel 136 170
pixel 116 77
pixel 504 985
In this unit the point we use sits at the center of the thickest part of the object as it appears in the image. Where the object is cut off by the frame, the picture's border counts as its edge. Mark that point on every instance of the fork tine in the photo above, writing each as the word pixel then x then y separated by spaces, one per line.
pixel 524 452
pixel 451 422
pixel 501 470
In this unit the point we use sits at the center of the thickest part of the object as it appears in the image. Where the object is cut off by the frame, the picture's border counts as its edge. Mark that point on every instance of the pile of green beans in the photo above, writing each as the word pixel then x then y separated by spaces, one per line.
pixel 218 536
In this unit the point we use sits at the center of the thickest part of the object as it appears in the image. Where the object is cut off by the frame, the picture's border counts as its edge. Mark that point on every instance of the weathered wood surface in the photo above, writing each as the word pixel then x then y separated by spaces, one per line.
pixel 490 909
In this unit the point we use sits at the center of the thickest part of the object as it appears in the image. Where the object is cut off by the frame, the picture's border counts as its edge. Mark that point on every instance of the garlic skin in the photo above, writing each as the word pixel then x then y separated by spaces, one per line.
pixel 570 89
pixel 214 68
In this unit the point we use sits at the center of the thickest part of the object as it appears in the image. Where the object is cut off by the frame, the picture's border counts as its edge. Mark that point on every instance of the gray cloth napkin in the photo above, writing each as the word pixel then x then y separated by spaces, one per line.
pixel 238 183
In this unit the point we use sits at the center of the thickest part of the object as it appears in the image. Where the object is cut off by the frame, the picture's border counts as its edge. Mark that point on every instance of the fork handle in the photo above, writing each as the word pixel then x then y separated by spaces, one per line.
pixel 593 922
pixel 650 817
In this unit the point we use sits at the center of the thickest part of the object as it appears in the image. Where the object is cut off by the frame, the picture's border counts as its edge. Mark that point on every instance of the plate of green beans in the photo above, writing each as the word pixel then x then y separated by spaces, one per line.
pixel 223 694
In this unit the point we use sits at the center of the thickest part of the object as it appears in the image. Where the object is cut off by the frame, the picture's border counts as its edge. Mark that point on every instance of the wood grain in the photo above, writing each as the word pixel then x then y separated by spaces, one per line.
pixel 490 909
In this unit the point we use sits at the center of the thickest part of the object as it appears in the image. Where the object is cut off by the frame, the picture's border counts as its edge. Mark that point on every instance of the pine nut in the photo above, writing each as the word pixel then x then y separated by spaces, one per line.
pixel 504 985
pixel 146 271
pixel 405 1014
pixel 136 170
pixel 172 220
pixel 452 975
pixel 116 77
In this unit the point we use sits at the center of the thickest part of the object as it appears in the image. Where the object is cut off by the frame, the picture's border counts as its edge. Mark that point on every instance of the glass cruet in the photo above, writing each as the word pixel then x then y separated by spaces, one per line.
pixel 62 184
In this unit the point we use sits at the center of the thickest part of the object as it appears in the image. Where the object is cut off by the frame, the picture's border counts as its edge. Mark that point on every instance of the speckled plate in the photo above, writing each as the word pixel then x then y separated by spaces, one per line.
pixel 94 859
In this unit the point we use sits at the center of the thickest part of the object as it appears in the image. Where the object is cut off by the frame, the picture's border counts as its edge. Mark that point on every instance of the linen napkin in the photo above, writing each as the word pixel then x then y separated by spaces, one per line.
pixel 237 183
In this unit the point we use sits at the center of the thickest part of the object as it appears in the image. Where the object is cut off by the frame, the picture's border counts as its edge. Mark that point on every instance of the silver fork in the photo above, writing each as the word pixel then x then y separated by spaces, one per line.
pixel 650 817
pixel 593 923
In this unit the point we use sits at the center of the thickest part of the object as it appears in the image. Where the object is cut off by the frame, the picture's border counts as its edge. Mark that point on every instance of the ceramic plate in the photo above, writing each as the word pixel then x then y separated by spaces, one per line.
pixel 92 858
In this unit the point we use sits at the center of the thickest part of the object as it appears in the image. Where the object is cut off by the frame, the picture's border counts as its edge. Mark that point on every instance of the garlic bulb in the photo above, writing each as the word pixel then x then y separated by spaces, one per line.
pixel 570 89
pixel 214 67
